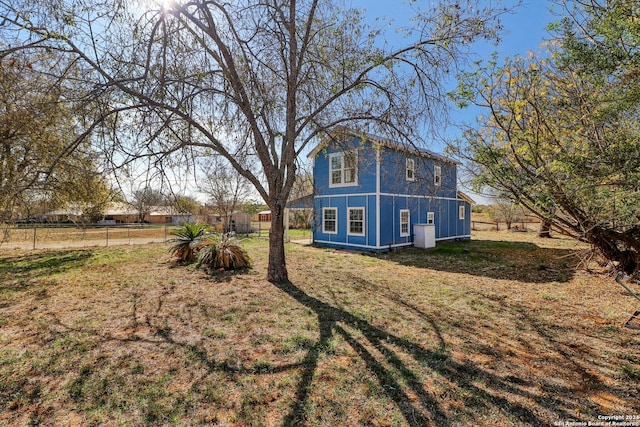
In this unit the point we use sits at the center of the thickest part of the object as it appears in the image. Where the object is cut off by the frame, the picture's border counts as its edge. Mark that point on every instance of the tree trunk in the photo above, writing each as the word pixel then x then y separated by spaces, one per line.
pixel 545 229
pixel 621 247
pixel 277 269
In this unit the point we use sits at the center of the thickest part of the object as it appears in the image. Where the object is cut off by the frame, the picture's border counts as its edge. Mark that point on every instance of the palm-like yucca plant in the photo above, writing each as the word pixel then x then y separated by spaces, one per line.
pixel 185 244
pixel 222 252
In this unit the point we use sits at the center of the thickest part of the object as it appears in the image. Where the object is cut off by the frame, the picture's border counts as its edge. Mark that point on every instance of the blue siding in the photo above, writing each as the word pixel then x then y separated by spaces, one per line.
pixel 446 218
pixel 342 238
pixel 465 224
pixel 386 220
pixel 394 180
pixel 366 169
pixel 333 202
pixel 396 193
pixel 371 224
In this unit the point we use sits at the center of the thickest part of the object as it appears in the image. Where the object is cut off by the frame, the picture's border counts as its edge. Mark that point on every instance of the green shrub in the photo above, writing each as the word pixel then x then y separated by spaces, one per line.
pixel 187 240
pixel 222 252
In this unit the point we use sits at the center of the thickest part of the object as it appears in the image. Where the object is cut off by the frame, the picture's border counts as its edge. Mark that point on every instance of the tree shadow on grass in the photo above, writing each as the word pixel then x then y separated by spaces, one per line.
pixel 397 363
pixel 390 358
pixel 382 353
pixel 17 268
pixel 521 261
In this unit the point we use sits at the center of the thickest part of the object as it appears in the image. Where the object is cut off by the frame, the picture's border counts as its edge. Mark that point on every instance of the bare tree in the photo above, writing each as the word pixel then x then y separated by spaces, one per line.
pixel 303 185
pixel 246 79
pixel 504 209
pixel 144 199
pixel 225 189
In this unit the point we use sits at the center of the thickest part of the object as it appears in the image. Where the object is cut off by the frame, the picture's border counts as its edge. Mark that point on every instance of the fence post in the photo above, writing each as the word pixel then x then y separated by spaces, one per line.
pixel 34 236
pixel 107 236
pixel 166 227
pixel 129 234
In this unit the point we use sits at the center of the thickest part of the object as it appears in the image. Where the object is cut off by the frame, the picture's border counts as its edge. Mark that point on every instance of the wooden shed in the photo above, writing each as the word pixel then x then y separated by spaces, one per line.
pixel 264 216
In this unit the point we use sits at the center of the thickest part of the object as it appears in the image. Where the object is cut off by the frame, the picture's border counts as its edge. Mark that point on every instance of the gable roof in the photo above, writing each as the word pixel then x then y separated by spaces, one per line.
pixel 465 197
pixel 303 202
pixel 339 132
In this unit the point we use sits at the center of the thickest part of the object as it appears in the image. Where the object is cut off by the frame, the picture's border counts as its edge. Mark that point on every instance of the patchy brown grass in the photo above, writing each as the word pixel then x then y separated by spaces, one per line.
pixel 496 331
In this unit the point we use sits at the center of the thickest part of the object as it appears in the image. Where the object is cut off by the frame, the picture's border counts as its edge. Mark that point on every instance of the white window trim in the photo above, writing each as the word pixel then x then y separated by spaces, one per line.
pixel 408 233
pixel 461 212
pixel 437 176
pixel 410 166
pixel 364 222
pixel 431 218
pixel 324 230
pixel 355 170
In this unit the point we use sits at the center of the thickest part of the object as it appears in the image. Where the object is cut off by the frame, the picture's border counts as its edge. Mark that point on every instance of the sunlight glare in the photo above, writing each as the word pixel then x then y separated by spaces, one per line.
pixel 166 5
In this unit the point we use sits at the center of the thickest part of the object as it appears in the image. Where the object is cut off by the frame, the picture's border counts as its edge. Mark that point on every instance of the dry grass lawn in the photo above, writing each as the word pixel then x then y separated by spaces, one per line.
pixel 497 331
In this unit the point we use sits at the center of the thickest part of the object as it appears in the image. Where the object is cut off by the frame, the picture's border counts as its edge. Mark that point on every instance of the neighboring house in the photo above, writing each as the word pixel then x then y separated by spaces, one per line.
pixel 114 213
pixel 370 192
pixel 119 213
pixel 264 216
pixel 71 213
pixel 123 213
pixel 168 215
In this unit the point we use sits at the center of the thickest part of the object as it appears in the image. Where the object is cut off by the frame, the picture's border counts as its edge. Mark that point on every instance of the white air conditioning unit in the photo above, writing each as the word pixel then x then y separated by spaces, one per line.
pixel 424 235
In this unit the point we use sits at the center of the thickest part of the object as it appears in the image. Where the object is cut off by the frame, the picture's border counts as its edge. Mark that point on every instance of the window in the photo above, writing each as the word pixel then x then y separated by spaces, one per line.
pixel 461 212
pixel 430 218
pixel 343 168
pixel 330 220
pixel 437 175
pixel 411 170
pixel 356 221
pixel 404 222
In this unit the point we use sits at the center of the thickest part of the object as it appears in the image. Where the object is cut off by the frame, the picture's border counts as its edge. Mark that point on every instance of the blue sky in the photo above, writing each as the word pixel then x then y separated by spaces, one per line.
pixel 525 30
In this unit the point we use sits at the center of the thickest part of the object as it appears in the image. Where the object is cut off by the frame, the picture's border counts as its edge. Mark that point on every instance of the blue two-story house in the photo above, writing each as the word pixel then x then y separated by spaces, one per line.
pixel 369 192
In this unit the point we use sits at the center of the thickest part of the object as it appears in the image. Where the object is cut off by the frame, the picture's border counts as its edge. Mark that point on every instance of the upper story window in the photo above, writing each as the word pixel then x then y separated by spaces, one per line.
pixel 461 212
pixel 343 169
pixel 437 176
pixel 411 170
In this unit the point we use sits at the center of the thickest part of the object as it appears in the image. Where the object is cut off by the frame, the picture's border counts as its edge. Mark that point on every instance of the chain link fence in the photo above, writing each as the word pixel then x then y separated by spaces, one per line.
pixel 39 236
pixel 44 236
